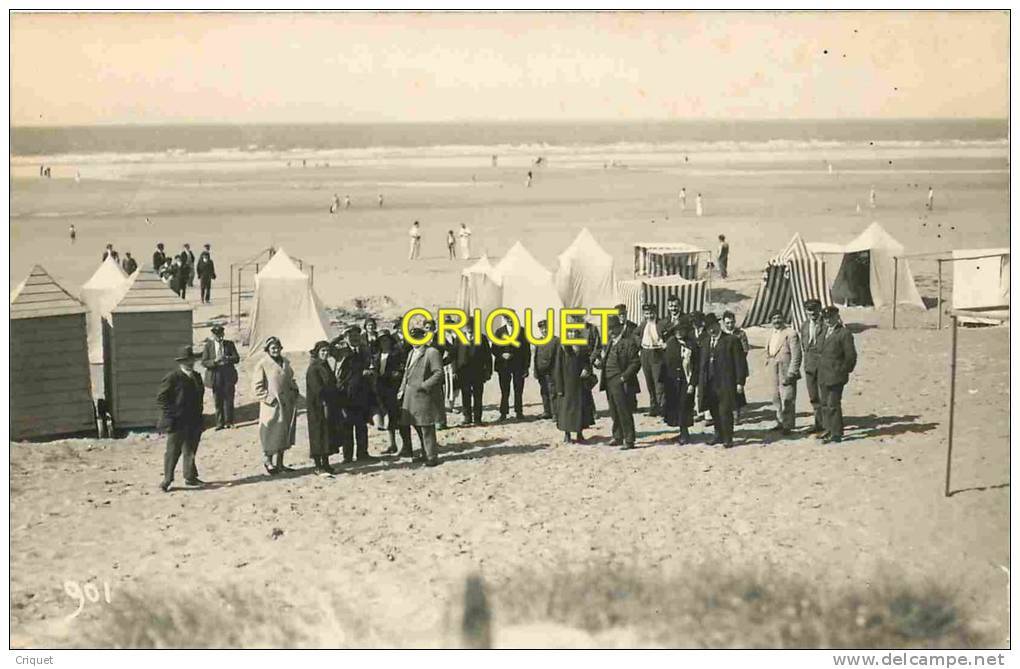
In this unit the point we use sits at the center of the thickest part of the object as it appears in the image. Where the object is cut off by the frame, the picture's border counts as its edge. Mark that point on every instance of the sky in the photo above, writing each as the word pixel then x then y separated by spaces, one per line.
pixel 83 69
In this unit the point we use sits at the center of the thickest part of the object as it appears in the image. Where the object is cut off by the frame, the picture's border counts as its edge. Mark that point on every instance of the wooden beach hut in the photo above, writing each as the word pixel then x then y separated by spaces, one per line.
pixel 50 387
pixel 145 332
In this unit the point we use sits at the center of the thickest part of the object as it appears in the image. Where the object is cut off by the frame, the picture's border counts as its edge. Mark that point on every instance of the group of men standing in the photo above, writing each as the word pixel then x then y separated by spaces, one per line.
pixel 181 270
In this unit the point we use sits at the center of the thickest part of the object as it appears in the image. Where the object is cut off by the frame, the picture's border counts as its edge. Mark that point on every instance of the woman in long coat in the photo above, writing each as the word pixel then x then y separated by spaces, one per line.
pixel 681 365
pixel 573 380
pixel 321 401
pixel 273 383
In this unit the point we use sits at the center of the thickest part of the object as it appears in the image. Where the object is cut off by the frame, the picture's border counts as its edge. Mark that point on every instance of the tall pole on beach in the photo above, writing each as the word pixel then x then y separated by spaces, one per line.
pixel 939 263
pixel 952 404
pixel 895 283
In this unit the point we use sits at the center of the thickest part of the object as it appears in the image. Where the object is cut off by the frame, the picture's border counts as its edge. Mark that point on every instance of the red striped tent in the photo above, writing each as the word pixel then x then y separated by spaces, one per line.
pixel 657 290
pixel 790 278
pixel 667 259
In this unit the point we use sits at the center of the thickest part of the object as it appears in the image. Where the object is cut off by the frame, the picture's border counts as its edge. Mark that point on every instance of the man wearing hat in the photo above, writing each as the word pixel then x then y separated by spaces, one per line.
pixel 721 378
pixel 421 395
pixel 621 361
pixel 354 379
pixel 545 361
pixel 812 334
pixel 180 404
pixel 472 367
pixel 511 364
pixel 158 258
pixel 206 270
pixel 218 358
pixel 837 359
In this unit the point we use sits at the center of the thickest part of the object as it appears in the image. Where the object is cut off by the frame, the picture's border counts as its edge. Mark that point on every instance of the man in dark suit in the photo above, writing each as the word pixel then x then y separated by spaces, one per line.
pixel 218 358
pixel 652 338
pixel 669 324
pixel 354 379
pixel 511 364
pixel 158 258
pixel 110 253
pixel 180 404
pixel 722 376
pixel 621 360
pixel 629 327
pixel 188 263
pixel 473 367
pixel 837 359
pixel 206 269
pixel 129 264
pixel 545 359
pixel 812 334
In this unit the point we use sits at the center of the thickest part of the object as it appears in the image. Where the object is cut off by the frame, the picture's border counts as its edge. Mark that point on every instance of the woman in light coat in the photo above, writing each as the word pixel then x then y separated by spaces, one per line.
pixel 273 383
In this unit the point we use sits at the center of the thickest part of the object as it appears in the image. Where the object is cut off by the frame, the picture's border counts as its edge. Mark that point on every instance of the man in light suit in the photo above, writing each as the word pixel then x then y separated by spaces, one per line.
pixel 782 361
pixel 218 358
pixel 421 395
pixel 621 360
pixel 652 337
pixel 812 334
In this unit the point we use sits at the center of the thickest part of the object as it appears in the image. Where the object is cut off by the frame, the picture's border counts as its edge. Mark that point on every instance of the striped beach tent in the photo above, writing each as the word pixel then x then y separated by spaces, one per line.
pixel 657 290
pixel 667 259
pixel 790 278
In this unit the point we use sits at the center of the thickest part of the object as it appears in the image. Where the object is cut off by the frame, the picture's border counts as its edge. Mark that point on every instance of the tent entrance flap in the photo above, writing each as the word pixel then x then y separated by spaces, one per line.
pixel 852 286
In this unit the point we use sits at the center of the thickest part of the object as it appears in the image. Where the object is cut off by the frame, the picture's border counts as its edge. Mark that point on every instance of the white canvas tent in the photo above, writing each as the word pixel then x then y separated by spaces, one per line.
pixel 980 281
pixel 101 294
pixel 862 272
pixel 586 276
pixel 480 288
pixel 286 307
pixel 527 284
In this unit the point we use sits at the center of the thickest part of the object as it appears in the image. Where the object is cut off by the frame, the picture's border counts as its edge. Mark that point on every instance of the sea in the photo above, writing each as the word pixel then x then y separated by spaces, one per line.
pixel 567 143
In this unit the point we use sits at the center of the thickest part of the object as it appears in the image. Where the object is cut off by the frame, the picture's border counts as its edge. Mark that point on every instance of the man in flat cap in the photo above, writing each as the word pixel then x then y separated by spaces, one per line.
pixel 837 360
pixel 721 378
pixel 356 400
pixel 812 334
pixel 621 362
pixel 218 358
pixel 180 404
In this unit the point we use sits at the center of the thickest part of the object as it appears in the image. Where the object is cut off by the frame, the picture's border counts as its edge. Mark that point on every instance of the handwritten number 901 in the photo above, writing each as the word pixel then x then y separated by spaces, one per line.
pixel 87 593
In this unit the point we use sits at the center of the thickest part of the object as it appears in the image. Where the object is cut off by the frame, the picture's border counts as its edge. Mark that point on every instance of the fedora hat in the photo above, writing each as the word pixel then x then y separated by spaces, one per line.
pixel 187 353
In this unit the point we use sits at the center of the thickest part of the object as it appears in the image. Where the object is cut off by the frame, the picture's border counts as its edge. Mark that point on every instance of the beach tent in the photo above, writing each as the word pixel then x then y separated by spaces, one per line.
pixel 791 277
pixel 657 290
pixel 586 275
pixel 480 288
pixel 101 293
pixel 527 284
pixel 286 307
pixel 144 333
pixel 980 281
pixel 866 270
pixel 49 364
pixel 667 259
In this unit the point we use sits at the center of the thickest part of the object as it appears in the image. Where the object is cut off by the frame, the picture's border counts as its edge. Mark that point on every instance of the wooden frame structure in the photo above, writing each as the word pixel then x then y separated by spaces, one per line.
pixel 251 267
pixel 938 261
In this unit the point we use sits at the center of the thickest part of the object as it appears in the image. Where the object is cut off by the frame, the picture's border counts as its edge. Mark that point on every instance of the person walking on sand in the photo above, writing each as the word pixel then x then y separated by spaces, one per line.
pixel 347 202
pixel 621 361
pixel 129 264
pixel 782 362
pixel 699 209
pixel 380 200
pixel 188 262
pixel 530 177
pixel 415 234
pixel 180 405
pixel 683 199
pixel 451 244
pixel 206 270
pixel 837 359
pixel 465 241
pixel 871 197
pixel 73 233
pixel 274 386
pixel 218 358
pixel 722 256
pixel 931 199
pixel 158 257
pixel 322 403
pixel 421 395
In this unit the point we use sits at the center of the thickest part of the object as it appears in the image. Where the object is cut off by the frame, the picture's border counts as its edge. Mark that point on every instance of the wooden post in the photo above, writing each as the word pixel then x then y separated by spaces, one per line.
pixel 240 287
pixel 312 268
pixel 895 283
pixel 939 263
pixel 952 404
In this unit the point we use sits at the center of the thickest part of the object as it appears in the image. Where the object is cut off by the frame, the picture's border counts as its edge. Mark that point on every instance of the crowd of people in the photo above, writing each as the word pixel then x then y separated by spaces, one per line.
pixel 694 367
pixel 180 271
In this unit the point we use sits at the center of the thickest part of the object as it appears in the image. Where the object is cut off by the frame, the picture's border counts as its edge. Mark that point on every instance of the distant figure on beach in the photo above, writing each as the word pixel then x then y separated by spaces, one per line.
pixel 158 258
pixel 380 200
pixel 73 233
pixel 110 252
pixel 931 199
pixel 530 177
pixel 334 206
pixel 206 270
pixel 495 160
pixel 77 176
pixel 698 207
pixel 415 233
pixel 178 277
pixel 723 256
pixel 47 173
pixel 539 161
pixel 830 169
pixel 42 170
pixel 465 241
pixel 871 197
pixel 129 264
pixel 683 199
pixel 147 221
pixel 347 202
pixel 451 243
pixel 858 208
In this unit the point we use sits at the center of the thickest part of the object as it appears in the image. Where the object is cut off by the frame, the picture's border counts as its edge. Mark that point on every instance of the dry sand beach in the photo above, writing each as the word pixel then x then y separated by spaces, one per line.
pixel 378 555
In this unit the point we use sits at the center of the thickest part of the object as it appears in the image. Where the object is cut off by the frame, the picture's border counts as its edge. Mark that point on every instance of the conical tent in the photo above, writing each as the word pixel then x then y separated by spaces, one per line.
pixel 586 276
pixel 286 307
pixel 527 284
pixel 101 293
pixel 791 277
pixel 480 288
